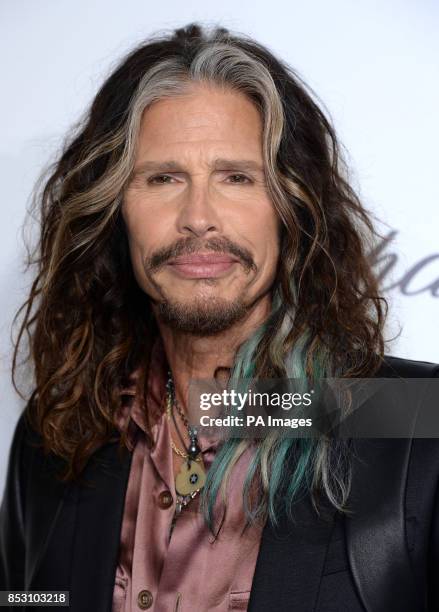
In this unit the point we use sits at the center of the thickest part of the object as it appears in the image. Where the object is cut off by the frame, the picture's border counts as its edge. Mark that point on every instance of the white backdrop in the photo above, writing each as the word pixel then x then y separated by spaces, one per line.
pixel 373 64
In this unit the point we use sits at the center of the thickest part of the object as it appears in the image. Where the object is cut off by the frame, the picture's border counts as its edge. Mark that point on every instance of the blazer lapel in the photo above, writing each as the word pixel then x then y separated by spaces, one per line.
pixel 291 561
pixel 289 568
pixel 74 531
pixel 98 525
pixel 50 516
pixel 375 533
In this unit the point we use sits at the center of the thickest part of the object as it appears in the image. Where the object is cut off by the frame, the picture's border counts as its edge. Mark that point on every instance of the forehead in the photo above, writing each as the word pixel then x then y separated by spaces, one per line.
pixel 205 116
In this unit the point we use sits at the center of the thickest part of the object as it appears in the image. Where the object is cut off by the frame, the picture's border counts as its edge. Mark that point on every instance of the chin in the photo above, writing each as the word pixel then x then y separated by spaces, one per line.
pixel 201 316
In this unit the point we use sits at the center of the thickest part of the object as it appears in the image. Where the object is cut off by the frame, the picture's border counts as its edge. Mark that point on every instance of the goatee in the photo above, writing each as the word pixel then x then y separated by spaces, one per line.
pixel 201 317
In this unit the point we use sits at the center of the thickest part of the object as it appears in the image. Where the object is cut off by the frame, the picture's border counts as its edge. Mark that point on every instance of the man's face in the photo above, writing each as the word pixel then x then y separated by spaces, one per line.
pixel 203 232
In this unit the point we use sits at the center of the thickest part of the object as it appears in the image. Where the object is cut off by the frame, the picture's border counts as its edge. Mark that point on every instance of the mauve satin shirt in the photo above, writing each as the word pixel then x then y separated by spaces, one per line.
pixel 187 571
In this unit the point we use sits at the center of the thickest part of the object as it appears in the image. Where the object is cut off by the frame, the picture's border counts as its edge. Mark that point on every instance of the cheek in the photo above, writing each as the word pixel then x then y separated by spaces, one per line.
pixel 264 232
pixel 136 256
pixel 139 232
pixel 143 228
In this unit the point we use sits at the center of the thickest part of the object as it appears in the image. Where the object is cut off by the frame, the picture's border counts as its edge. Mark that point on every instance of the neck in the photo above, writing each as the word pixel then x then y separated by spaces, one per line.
pixel 194 357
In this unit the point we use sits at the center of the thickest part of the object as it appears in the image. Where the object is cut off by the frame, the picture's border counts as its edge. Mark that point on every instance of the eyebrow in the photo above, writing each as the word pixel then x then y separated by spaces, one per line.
pixel 242 165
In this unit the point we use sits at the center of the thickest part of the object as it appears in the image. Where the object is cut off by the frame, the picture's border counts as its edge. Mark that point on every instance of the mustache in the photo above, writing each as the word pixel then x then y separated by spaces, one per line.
pixel 189 245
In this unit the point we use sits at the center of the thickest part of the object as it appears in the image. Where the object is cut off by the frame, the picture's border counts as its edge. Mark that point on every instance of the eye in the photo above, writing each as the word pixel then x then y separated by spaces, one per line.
pixel 238 179
pixel 160 179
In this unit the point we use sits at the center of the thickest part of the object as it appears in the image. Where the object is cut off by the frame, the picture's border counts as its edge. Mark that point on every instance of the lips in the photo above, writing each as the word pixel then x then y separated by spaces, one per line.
pixel 201 259
pixel 200 265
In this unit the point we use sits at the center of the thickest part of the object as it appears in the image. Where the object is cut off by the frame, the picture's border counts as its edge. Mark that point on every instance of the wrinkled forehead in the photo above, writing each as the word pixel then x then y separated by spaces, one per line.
pixel 204 119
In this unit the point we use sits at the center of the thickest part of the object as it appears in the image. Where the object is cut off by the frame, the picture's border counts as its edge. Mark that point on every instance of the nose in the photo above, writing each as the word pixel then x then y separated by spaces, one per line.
pixel 199 212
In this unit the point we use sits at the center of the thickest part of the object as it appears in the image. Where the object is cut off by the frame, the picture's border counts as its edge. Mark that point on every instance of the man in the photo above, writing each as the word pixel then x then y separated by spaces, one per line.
pixel 198 226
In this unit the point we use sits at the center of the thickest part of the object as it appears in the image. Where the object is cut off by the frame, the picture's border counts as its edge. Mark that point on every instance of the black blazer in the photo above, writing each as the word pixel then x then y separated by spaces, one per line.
pixel 383 558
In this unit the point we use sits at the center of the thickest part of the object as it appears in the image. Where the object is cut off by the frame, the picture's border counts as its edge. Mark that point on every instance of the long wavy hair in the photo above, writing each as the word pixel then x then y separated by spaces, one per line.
pixel 88 325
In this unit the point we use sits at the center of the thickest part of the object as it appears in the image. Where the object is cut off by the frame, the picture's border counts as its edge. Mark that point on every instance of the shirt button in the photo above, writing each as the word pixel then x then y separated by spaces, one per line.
pixel 165 499
pixel 144 599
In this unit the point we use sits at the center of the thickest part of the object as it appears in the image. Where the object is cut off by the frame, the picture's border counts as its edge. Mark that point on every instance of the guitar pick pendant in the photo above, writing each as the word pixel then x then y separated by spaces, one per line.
pixel 190 478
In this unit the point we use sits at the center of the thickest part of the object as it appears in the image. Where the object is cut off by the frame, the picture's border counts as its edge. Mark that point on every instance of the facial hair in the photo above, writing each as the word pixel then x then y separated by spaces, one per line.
pixel 202 317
